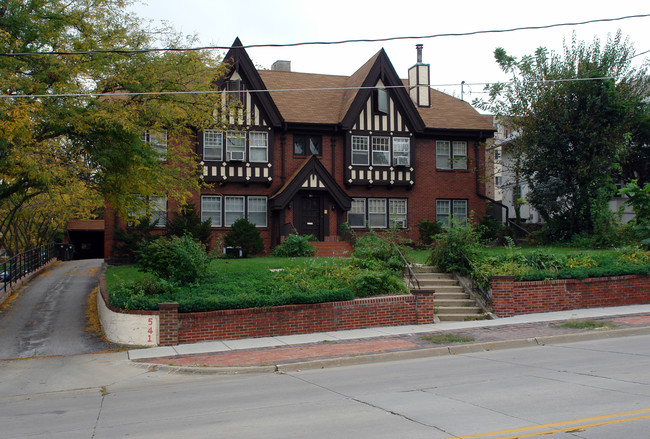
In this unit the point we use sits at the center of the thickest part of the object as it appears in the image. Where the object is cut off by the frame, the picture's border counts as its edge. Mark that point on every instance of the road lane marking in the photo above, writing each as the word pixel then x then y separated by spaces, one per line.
pixel 547 428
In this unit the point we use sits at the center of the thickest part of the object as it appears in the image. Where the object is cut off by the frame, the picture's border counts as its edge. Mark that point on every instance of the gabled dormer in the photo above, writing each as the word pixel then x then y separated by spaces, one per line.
pixel 380 123
pixel 239 146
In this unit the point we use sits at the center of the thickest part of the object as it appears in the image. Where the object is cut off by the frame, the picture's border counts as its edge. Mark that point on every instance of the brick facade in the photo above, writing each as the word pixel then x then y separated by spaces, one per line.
pixel 512 298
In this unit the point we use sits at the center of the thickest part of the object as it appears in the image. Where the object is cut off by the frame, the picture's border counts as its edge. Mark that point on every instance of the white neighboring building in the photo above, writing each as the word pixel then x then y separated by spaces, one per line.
pixel 504 182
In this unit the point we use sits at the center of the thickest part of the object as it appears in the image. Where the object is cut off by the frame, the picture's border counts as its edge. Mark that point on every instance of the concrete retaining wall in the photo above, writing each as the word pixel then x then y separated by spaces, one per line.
pixel 131 328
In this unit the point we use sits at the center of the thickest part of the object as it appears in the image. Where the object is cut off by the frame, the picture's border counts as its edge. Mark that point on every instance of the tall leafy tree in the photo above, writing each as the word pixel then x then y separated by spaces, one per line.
pixel 575 113
pixel 69 118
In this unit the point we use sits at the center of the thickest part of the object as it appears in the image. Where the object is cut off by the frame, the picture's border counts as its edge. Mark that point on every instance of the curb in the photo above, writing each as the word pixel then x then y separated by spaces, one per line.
pixel 401 355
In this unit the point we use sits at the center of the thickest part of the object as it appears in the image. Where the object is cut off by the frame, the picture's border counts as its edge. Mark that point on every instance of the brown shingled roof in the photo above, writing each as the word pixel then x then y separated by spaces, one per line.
pixel 304 103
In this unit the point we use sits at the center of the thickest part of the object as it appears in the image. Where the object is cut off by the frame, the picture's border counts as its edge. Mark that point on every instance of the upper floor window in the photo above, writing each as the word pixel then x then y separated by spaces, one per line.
pixel 235 146
pixel 235 91
pixel 380 100
pixel 451 155
pixel 212 145
pixel 259 146
pixel 360 150
pixel 307 145
pixel 157 139
pixel 381 151
pixel 401 151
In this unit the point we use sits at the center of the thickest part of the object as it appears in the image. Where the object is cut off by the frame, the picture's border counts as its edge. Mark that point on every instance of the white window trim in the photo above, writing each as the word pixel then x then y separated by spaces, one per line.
pixel 226 211
pixel 406 152
pixel 230 149
pixel 392 214
pixel 453 156
pixel 383 213
pixel 384 152
pixel 360 151
pixel 265 211
pixel 219 213
pixel 362 202
pixel 219 135
pixel 264 147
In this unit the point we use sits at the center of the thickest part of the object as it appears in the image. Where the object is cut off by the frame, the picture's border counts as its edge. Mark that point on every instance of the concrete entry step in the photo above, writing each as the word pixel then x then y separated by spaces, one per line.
pixel 451 301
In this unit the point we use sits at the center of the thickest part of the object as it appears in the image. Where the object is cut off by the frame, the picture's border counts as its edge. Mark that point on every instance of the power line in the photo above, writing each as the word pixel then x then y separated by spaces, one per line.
pixel 279 90
pixel 313 43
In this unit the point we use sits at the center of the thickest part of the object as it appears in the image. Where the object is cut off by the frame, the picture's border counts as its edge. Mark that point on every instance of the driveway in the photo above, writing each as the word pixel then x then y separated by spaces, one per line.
pixel 48 316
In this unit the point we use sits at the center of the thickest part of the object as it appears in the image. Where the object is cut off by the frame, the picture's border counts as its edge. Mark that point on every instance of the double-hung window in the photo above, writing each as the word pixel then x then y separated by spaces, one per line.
pixel 377 212
pixel 157 140
pixel 397 213
pixel 259 146
pixel 234 209
pixel 360 150
pixel 401 151
pixel 257 211
pixel 445 209
pixel 357 213
pixel 235 146
pixel 381 151
pixel 158 210
pixel 212 145
pixel 451 155
pixel 211 209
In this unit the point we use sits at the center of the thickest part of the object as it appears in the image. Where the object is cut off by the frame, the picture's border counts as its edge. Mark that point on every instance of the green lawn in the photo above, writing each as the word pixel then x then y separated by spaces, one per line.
pixel 256 282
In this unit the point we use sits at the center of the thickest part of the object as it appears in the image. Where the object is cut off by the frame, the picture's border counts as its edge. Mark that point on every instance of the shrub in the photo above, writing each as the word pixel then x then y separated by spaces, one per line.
pixel 450 246
pixel 129 240
pixel 245 235
pixel 181 260
pixel 373 283
pixel 428 229
pixel 295 246
pixel 188 222
pixel 142 294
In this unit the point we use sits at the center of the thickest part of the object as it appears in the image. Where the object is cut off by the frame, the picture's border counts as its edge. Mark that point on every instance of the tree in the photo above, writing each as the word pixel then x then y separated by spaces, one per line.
pixel 575 113
pixel 245 235
pixel 81 117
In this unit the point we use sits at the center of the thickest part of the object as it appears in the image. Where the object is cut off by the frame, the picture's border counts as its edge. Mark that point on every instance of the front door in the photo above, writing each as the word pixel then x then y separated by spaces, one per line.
pixel 309 213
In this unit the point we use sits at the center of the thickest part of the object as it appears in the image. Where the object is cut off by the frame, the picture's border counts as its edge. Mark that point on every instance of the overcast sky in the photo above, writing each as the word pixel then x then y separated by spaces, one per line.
pixel 452 59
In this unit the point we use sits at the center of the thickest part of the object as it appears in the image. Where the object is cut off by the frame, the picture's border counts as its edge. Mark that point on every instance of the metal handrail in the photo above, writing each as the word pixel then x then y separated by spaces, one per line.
pixel 486 294
pixel 411 273
pixel 517 226
pixel 21 265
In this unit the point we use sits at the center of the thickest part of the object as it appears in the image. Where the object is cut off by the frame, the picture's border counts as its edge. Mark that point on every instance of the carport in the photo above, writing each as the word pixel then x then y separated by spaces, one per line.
pixel 87 236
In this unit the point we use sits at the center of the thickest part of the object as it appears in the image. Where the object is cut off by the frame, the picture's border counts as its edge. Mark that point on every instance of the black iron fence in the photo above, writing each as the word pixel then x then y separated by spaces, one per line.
pixel 21 265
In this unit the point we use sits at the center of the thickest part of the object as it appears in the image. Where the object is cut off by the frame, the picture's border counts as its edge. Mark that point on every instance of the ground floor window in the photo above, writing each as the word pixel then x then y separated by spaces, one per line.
pixel 446 209
pixel 154 208
pixel 225 210
pixel 378 213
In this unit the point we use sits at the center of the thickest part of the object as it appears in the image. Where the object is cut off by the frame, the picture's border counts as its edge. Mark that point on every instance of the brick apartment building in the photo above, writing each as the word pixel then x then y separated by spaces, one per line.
pixel 309 152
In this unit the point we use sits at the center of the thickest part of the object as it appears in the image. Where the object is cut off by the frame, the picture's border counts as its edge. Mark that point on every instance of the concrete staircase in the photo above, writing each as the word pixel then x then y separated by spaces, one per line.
pixel 451 301
pixel 340 249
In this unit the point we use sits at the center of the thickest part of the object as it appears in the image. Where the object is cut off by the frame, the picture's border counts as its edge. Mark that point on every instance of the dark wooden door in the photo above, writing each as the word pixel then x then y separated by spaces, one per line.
pixel 310 216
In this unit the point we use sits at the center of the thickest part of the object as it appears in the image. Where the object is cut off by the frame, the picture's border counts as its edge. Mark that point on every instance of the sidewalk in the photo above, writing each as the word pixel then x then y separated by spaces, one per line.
pixel 294 352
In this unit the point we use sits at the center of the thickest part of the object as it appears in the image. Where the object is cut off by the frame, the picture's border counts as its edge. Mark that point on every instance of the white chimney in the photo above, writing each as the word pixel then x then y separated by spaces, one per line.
pixel 419 81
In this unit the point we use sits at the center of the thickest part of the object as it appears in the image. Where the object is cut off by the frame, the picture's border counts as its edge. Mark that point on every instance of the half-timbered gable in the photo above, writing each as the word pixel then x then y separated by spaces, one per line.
pixel 239 147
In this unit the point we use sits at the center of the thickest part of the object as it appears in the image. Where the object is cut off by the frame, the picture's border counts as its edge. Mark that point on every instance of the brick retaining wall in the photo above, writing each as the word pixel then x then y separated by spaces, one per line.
pixel 511 298
pixel 294 319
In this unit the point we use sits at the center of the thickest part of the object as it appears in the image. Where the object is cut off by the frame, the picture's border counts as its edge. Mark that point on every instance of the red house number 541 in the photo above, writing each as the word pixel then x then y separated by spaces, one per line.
pixel 150 329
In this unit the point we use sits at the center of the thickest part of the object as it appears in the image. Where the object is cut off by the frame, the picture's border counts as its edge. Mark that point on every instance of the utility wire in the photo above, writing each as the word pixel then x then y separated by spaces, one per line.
pixel 194 92
pixel 313 43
